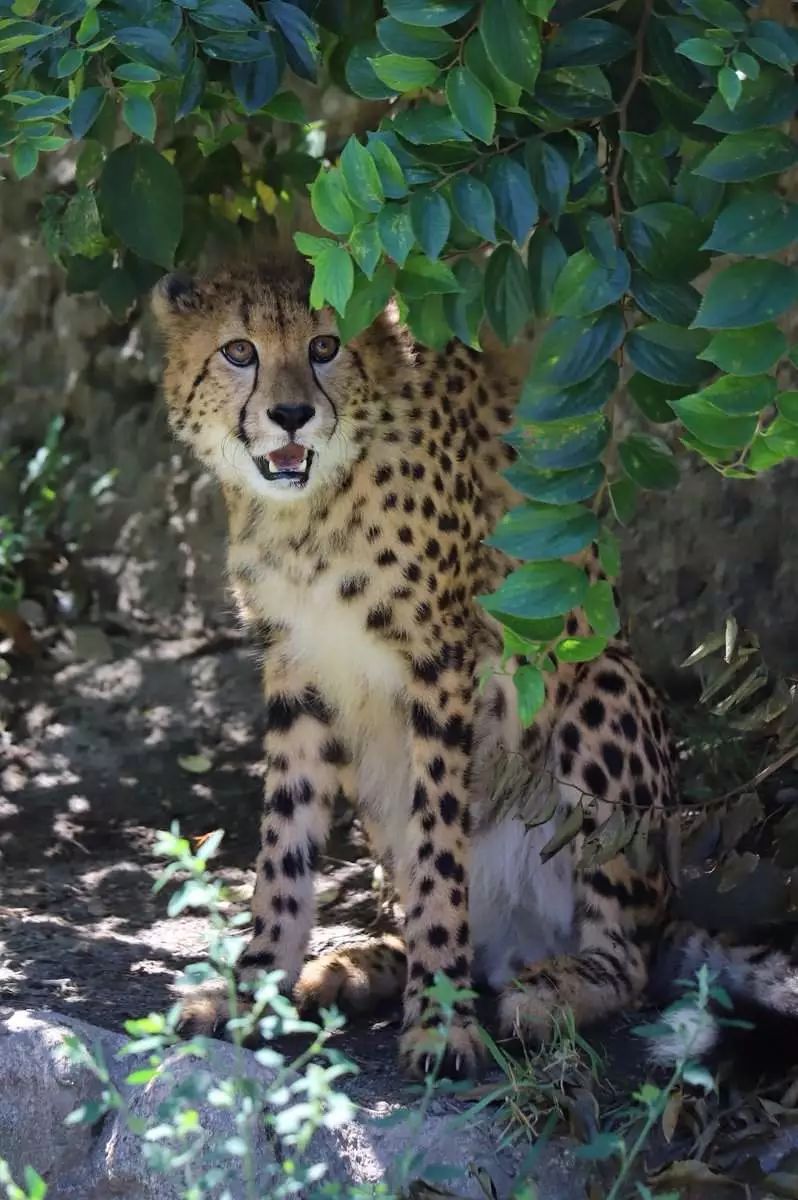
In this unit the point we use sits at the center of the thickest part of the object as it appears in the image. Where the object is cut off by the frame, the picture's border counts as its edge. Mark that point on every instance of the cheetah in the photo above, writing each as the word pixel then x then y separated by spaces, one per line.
pixel 361 482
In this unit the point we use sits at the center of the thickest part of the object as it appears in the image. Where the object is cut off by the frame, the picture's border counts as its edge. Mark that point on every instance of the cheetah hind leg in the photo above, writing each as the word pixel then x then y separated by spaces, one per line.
pixel 357 978
pixel 608 972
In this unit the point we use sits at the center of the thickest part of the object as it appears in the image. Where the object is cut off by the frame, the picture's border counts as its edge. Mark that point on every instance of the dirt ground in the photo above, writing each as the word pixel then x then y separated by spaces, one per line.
pixel 90 772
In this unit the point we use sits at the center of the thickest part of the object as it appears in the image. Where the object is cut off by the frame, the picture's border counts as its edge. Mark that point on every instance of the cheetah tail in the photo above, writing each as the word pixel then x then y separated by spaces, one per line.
pixel 759 973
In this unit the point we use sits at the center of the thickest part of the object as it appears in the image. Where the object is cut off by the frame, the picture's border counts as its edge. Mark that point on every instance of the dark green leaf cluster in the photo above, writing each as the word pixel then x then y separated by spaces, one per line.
pixel 583 168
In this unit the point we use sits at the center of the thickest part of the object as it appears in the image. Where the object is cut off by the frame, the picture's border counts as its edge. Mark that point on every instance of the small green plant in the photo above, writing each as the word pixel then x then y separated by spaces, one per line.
pixel 684 1027
pixel 35 1188
pixel 36 484
pixel 292 1102
pixel 40 517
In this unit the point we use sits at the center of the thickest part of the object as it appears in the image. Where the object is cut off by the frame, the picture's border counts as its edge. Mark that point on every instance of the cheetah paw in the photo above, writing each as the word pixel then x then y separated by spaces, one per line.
pixel 205 1012
pixel 358 978
pixel 462 1057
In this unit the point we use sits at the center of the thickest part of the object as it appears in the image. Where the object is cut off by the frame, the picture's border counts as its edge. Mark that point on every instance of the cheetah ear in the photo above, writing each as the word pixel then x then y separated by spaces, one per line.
pixel 175 294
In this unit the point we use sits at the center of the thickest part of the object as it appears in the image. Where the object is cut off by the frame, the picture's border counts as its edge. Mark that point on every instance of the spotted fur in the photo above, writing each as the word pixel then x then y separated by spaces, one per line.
pixel 360 589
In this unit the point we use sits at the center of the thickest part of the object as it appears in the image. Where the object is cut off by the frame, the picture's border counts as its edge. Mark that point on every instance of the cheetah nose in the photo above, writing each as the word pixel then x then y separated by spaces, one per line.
pixel 291 417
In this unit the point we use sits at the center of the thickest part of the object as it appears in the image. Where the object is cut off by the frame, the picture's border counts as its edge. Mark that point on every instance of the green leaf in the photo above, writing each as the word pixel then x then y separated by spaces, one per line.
pixel 586 42
pixel 81 228
pixel 473 204
pixel 426 320
pixel 415 41
pixel 476 59
pixel 360 74
pixel 24 159
pixel 365 246
pixel 742 156
pixel 748 293
pixel 599 606
pixel 38 110
pixel 226 16
pixel 138 114
pixel 599 239
pixel 396 232
pixel 471 103
pixel 711 426
pixel 300 36
pixel 654 398
pixel 555 487
pixel 333 278
pixel 310 245
pixel 645 168
pixel 584 286
pixel 365 304
pixel 577 93
pixel 465 309
pixel 541 403
pixel 69 63
pixel 141 197
pixel 421 276
pixel 390 173
pixel 428 125
pixel 514 197
pixel 700 50
pixel 770 99
pixel 428 12
pixel 512 41
pixel 538 590
pixel 15 34
pixel 85 110
pixel 550 176
pixel 674 303
pixel 118 292
pixel 666 240
pixel 730 86
pixel 508 297
pixel 777 47
pixel 566 445
pixel 149 46
pixel 361 176
pixel 192 89
pixel 737 397
pixel 755 223
pixel 668 353
pixel 648 462
pixel 404 74
pixel 788 406
pixel 572 349
pixel 431 221
pixel 256 83
pixel 135 72
pixel 582 649
pixel 544 531
pixel 545 258
pixel 746 351
pixel 330 203
pixel 530 688
pixel 609 553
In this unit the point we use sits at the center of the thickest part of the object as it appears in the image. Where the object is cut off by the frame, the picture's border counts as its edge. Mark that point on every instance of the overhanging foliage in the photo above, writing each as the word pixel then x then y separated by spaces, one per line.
pixel 607 155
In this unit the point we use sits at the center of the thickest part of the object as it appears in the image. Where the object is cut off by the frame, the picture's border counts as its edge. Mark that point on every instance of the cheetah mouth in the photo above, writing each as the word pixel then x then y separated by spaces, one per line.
pixel 290 464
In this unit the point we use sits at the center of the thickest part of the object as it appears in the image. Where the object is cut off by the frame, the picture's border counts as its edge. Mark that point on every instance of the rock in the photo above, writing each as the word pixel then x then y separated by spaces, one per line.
pixel 89 642
pixel 39 1087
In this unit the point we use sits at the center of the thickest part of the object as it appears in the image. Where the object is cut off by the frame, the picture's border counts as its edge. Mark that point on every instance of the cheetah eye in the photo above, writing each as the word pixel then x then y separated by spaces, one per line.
pixel 324 348
pixel 240 353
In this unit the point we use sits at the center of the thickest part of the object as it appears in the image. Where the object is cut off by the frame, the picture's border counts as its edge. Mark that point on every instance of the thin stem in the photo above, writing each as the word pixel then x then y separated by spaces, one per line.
pixel 623 110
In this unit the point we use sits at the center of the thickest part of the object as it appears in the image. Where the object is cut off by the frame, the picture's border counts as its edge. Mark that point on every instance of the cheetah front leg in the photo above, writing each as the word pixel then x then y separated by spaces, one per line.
pixel 307 765
pixel 432 871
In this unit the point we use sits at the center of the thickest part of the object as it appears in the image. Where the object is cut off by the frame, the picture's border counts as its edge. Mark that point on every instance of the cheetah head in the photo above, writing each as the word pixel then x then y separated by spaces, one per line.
pixel 257 383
